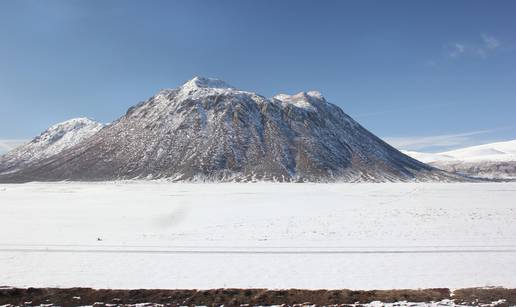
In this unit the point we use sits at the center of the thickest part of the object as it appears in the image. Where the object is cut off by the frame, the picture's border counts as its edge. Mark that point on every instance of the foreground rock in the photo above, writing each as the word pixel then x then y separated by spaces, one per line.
pixel 254 297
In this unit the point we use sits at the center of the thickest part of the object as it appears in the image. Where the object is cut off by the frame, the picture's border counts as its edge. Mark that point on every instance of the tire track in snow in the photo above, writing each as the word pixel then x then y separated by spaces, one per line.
pixel 254 252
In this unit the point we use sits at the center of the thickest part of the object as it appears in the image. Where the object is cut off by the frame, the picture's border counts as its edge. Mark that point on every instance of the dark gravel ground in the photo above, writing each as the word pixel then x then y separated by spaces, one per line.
pixel 238 297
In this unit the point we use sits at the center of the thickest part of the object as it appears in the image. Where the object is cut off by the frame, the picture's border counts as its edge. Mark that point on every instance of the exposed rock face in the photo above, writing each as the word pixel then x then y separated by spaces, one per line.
pixel 500 170
pixel 49 143
pixel 208 130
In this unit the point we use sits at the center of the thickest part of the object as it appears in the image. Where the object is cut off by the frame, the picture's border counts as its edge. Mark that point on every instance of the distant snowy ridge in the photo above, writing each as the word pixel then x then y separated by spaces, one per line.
pixel 494 160
pixel 208 130
pixel 52 141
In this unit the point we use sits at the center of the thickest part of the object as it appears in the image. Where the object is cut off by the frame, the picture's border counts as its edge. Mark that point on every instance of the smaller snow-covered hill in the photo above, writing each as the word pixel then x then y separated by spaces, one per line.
pixel 501 151
pixel 494 160
pixel 55 139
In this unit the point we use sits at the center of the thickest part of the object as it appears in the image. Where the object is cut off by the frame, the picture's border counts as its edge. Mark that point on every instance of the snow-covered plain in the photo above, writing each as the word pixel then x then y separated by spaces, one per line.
pixel 264 235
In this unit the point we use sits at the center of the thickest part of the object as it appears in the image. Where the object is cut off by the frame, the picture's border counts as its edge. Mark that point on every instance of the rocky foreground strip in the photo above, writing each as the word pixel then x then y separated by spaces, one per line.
pixel 255 297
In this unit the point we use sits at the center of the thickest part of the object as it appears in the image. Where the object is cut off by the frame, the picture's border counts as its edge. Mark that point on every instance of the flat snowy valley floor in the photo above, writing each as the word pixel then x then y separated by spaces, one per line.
pixel 164 235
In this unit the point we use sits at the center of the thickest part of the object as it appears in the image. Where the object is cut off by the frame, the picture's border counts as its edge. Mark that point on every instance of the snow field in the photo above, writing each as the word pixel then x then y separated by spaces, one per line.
pixel 266 235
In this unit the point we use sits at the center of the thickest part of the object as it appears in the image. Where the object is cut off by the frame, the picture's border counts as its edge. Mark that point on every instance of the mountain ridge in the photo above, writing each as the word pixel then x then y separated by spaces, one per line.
pixel 208 130
pixel 52 141
pixel 492 161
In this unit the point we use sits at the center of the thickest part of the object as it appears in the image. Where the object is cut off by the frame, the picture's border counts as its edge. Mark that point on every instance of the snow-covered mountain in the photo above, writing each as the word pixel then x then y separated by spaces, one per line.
pixel 495 160
pixel 52 141
pixel 209 130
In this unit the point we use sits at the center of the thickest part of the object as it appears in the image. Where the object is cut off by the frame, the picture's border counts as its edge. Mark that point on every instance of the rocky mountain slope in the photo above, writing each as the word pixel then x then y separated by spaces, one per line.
pixel 52 141
pixel 493 161
pixel 209 130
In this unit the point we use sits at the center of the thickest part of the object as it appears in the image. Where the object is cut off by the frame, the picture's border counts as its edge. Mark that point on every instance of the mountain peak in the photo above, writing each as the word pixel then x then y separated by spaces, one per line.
pixel 315 94
pixel 301 95
pixel 74 122
pixel 52 141
pixel 207 130
pixel 304 100
pixel 202 82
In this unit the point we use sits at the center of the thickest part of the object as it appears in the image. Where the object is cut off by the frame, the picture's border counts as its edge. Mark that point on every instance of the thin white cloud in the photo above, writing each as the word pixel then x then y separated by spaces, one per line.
pixel 430 63
pixel 487 45
pixel 9 144
pixel 456 50
pixel 490 42
pixel 435 141
pixel 399 109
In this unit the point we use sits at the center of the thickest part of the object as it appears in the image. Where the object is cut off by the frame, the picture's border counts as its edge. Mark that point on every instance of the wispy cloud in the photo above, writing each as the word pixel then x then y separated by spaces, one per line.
pixel 485 46
pixel 434 142
pixel 455 49
pixel 490 42
pixel 430 63
pixel 9 144
pixel 400 109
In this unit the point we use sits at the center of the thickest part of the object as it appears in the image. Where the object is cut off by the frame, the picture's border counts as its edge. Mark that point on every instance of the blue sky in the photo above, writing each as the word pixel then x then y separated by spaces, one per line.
pixel 425 76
